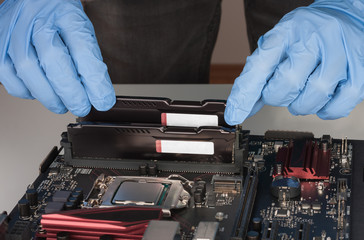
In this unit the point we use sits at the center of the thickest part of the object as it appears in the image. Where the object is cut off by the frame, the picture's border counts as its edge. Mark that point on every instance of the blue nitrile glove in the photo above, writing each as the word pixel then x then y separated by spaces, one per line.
pixel 48 51
pixel 312 62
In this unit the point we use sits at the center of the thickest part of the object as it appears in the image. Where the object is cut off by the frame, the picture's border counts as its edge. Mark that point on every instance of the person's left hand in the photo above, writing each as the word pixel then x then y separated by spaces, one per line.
pixel 311 62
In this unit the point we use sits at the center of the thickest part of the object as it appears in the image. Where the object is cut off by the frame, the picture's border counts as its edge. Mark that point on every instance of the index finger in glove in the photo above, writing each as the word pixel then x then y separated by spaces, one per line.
pixel 258 69
pixel 59 69
pixel 77 32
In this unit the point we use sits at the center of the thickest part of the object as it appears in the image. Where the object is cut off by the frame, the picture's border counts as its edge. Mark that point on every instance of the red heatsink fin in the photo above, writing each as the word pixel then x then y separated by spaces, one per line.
pixel 304 159
pixel 120 222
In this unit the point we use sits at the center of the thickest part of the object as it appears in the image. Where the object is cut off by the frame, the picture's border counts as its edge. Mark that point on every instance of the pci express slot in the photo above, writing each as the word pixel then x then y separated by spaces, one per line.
pixel 270 231
pixel 245 207
pixel 303 231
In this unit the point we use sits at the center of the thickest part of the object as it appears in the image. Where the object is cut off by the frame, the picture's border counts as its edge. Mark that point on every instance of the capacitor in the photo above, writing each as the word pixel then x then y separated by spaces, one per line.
pixel 219 216
pixel 78 190
pixel 32 196
pixel 63 236
pixel 252 235
pixel 290 186
pixel 201 183
pixel 73 200
pixel 197 196
pixel 76 195
pixel 153 169
pixel 324 147
pixel 202 190
pixel 24 208
pixel 143 169
pixel 257 224
pixel 69 205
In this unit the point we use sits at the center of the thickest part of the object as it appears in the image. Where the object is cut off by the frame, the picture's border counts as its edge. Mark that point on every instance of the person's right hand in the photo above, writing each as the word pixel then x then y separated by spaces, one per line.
pixel 48 51
pixel 311 62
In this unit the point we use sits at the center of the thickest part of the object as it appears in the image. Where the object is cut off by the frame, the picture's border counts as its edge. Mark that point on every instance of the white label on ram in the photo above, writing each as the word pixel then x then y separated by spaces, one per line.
pixel 189 120
pixel 185 147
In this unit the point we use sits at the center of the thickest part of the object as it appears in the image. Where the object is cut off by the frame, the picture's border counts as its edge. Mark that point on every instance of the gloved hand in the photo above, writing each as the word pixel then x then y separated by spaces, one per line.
pixel 312 62
pixel 48 51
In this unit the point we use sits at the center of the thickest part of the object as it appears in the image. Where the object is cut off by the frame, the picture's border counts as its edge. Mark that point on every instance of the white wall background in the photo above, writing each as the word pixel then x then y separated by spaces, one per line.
pixel 232 45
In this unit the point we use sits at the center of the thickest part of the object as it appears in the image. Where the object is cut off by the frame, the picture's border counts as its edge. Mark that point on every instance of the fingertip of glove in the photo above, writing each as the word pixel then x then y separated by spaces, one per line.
pixel 58 110
pixel 81 111
pixel 292 111
pixel 106 103
pixel 324 116
pixel 327 116
pixel 234 116
pixel 21 93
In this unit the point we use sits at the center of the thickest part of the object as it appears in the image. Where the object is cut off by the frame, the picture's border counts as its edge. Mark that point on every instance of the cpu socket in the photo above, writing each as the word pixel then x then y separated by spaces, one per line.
pixel 138 191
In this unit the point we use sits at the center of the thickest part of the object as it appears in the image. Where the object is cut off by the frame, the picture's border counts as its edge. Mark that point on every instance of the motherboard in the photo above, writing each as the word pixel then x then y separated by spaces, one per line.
pixel 303 207
pixel 283 185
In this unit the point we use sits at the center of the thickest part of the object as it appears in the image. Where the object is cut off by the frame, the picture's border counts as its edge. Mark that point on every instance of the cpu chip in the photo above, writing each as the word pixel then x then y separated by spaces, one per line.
pixel 138 193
